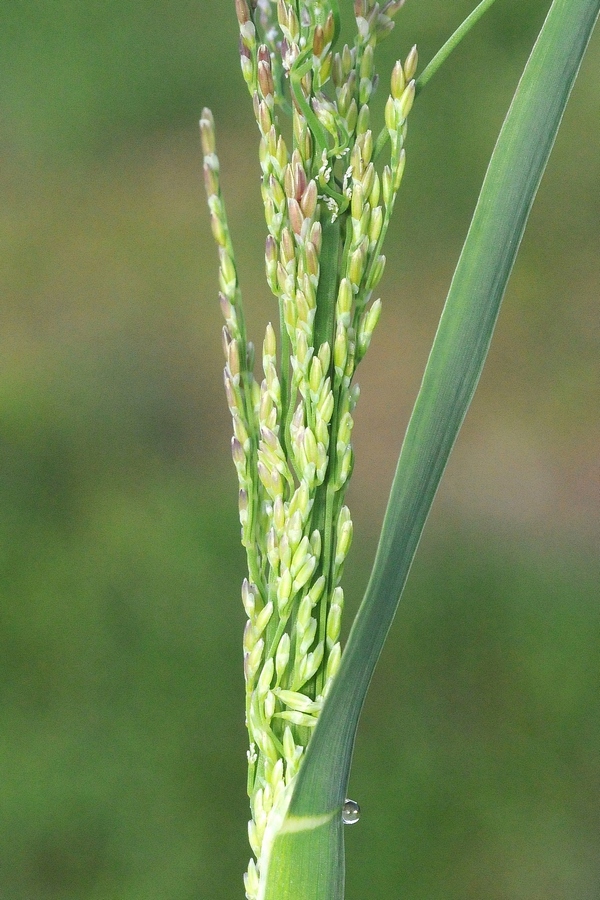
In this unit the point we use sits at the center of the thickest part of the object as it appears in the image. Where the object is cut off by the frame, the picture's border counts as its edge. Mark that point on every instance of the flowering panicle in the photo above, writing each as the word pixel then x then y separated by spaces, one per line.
pixel 328 204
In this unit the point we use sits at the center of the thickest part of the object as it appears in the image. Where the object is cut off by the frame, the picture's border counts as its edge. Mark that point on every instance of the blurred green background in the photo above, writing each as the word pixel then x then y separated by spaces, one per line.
pixel 122 745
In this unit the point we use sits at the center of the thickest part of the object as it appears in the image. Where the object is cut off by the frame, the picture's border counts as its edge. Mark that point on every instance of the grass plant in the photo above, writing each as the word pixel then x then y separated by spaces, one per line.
pixel 329 184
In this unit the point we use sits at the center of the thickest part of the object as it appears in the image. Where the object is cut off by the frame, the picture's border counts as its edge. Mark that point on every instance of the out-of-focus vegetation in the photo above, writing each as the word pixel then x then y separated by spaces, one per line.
pixel 122 742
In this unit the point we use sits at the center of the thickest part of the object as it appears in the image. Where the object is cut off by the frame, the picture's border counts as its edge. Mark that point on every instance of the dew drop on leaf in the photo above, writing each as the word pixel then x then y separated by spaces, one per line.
pixel 350 812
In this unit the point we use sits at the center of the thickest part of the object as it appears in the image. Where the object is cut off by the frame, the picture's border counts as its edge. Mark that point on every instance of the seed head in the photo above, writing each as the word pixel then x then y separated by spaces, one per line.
pixel 265 81
pixel 410 63
pixel 398 80
pixel 292 433
pixel 318 41
pixel 207 132
pixel 242 11
pixel 406 101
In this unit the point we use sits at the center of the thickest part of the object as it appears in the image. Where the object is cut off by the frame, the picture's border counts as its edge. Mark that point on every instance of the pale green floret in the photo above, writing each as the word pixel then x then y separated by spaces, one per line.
pixel 328 204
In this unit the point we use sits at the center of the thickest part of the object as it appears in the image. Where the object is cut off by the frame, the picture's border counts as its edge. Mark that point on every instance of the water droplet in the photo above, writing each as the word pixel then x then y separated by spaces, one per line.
pixel 350 812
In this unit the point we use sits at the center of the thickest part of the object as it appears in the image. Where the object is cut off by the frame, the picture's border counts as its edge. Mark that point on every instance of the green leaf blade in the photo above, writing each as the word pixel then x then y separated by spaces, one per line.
pixel 307 859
